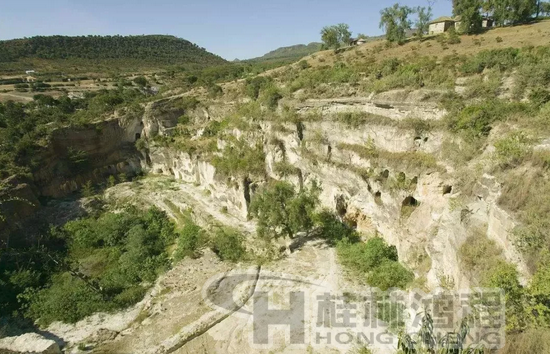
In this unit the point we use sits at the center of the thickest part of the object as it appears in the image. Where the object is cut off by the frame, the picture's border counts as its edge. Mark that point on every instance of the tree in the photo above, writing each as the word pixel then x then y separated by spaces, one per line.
pixel 469 10
pixel 88 190
pixel 545 8
pixel 511 11
pixel 281 212
pixel 423 20
pixel 395 21
pixel 335 36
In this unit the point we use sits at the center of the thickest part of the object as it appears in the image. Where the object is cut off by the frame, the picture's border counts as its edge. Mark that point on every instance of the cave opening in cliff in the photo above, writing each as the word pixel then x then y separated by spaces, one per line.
pixel 341 206
pixel 246 186
pixel 378 197
pixel 138 136
pixel 447 189
pixel 410 201
pixel 300 130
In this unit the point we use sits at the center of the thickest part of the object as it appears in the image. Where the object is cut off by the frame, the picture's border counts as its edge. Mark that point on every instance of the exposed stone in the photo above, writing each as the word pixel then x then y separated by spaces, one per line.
pixel 29 343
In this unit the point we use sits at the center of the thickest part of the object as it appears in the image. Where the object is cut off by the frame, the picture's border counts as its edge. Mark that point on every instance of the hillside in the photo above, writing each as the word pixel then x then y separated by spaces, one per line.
pixel 60 51
pixel 291 52
pixel 417 166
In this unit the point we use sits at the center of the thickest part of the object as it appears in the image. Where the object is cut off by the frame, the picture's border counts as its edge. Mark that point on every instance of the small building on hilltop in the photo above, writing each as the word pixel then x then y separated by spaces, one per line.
pixel 357 41
pixel 443 24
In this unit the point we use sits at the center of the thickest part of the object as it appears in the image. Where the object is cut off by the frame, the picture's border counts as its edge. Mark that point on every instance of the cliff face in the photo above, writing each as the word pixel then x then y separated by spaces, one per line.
pixel 416 205
pixel 76 155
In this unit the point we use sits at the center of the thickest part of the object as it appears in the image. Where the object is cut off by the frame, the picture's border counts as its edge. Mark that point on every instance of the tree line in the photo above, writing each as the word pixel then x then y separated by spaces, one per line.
pixel 155 47
pixel 396 22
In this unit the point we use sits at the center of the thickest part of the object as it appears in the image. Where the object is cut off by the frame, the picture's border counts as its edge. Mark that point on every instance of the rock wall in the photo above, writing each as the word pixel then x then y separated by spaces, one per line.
pixel 425 219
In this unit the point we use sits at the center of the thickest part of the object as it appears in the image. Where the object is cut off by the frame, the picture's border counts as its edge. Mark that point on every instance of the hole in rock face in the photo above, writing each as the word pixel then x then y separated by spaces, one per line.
pixel 385 174
pixel 410 201
pixel 246 184
pixel 138 136
pixel 341 206
pixel 171 172
pixel 426 139
pixel 447 189
pixel 414 180
pixel 300 130
pixel 378 197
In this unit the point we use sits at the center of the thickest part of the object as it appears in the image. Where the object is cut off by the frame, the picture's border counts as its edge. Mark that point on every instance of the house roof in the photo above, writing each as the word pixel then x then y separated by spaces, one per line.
pixel 446 19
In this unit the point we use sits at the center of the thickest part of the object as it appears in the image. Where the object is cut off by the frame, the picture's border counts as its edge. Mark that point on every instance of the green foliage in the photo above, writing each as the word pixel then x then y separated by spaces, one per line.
pixel 149 50
pixel 239 159
pixel 511 11
pixel 228 244
pixel 332 229
pixel 376 261
pixel 422 23
pixel 190 240
pixel 469 11
pixel 141 81
pixel 253 86
pixel 512 149
pixel 281 212
pixel 505 276
pixel 88 190
pixel 271 97
pixel 395 21
pixel 334 37
pixel 104 266
pixel 111 181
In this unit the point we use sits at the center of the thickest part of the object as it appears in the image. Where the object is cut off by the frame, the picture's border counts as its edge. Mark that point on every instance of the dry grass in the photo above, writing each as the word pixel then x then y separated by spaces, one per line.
pixel 519 36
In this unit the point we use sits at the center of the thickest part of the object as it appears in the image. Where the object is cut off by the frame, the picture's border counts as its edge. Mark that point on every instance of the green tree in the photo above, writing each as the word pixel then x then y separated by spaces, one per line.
pixel 334 37
pixel 545 8
pixel 395 21
pixel 281 212
pixel 141 81
pixel 424 16
pixel 511 11
pixel 88 190
pixel 469 11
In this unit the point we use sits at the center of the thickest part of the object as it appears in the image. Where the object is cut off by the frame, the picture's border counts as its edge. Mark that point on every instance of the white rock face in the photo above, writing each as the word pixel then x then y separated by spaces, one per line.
pixel 29 343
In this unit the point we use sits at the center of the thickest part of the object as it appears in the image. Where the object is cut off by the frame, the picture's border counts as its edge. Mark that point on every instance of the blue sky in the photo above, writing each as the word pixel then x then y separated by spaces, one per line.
pixel 230 28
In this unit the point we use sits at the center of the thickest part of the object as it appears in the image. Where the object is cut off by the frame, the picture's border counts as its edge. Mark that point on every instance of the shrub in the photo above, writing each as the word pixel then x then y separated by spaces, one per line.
pixel 141 81
pixel 281 212
pixel 539 96
pixel 228 244
pixel 499 39
pixel 239 159
pixel 116 253
pixel 332 229
pixel 189 241
pixel 376 261
pixel 511 150
pixel 479 255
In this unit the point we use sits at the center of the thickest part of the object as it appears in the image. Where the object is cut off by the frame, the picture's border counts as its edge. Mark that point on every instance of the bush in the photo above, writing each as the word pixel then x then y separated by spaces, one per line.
pixel 189 241
pixel 228 244
pixel 511 150
pixel 376 261
pixel 332 229
pixel 141 81
pixel 116 253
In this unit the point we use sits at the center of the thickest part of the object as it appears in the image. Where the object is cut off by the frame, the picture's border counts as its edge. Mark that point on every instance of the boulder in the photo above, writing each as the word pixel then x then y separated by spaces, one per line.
pixel 29 343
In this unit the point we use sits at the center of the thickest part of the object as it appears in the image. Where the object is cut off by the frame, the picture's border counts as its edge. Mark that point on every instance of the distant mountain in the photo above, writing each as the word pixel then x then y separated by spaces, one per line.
pixel 150 50
pixel 292 52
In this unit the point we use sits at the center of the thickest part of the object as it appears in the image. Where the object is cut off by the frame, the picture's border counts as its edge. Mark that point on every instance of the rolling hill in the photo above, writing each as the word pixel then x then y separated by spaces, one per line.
pixel 143 51
pixel 293 52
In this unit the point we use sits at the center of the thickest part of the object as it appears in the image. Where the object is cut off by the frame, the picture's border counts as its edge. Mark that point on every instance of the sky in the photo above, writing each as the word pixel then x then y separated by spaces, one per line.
pixel 233 29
